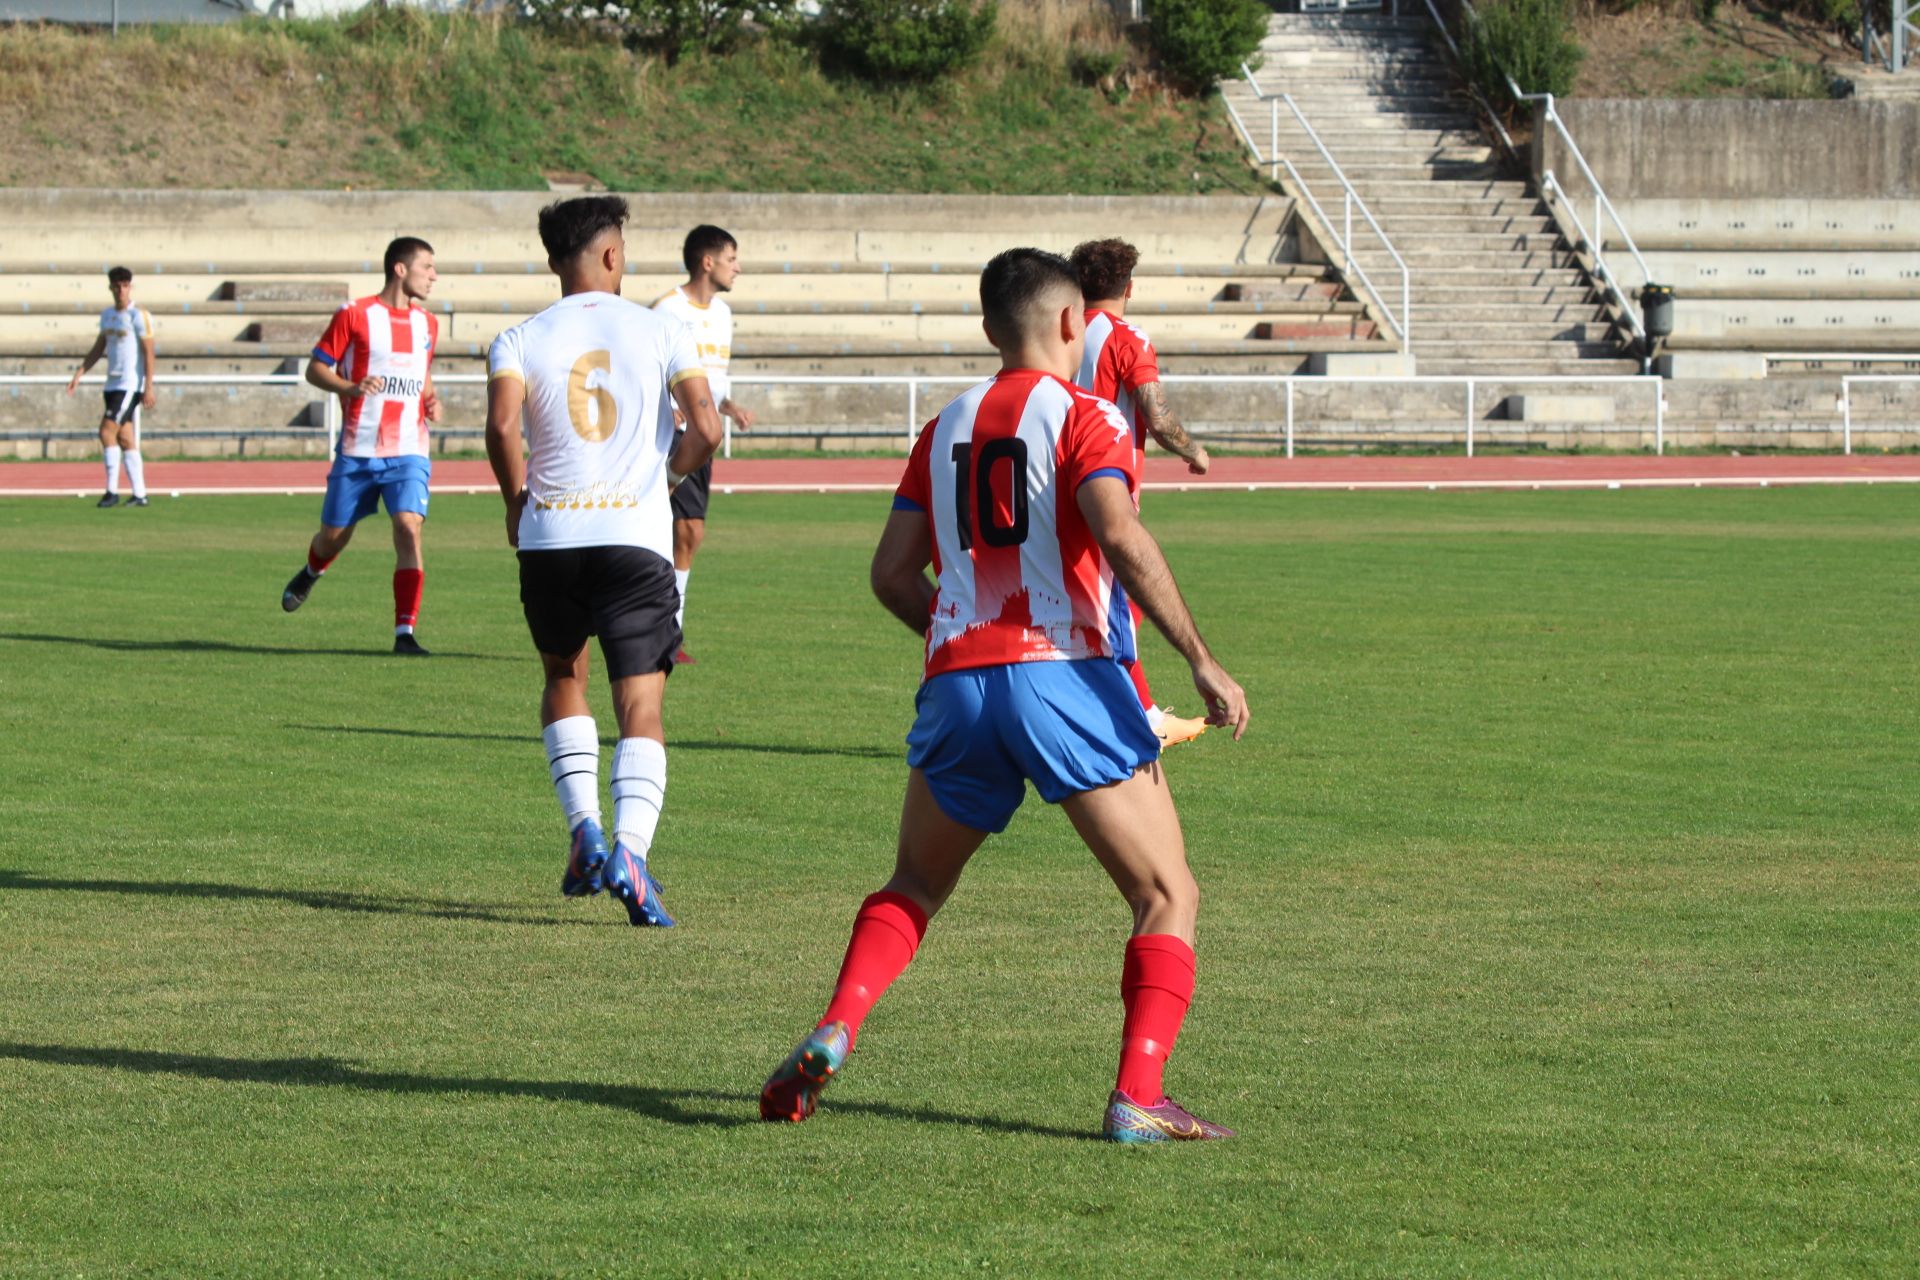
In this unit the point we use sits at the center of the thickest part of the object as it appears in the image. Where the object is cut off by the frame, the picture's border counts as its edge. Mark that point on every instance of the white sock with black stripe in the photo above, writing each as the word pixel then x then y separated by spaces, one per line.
pixel 639 792
pixel 136 472
pixel 573 761
pixel 680 577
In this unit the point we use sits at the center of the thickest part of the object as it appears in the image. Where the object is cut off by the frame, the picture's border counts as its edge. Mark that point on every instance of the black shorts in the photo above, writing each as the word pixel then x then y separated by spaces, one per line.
pixel 690 495
pixel 121 405
pixel 624 595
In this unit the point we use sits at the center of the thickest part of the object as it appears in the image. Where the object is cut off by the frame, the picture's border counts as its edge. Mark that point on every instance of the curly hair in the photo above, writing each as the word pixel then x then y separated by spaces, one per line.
pixel 1105 267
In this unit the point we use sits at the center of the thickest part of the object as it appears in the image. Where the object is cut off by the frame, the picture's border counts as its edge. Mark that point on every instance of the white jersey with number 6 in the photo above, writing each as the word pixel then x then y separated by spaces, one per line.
pixel 599 420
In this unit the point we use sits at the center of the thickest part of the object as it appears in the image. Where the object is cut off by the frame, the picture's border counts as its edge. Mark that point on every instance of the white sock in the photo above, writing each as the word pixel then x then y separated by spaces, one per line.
pixel 112 456
pixel 136 472
pixel 680 577
pixel 639 791
pixel 1155 714
pixel 573 761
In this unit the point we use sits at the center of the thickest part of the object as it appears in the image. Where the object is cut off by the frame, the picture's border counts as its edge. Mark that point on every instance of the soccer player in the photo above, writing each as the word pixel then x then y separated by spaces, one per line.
pixel 712 258
pixel 377 356
pixel 126 338
pixel 1020 494
pixel 1120 365
pixel 590 377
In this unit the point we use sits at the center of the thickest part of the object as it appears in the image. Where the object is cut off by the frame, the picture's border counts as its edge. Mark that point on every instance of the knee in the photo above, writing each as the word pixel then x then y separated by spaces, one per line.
pixel 1172 894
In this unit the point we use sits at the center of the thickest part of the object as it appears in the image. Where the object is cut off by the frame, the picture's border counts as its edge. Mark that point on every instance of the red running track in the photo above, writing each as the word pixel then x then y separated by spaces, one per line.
pixel 764 475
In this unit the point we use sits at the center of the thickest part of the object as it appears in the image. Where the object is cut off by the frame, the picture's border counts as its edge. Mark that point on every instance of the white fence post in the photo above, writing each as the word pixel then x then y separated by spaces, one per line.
pixel 1289 417
pixel 1469 417
pixel 913 411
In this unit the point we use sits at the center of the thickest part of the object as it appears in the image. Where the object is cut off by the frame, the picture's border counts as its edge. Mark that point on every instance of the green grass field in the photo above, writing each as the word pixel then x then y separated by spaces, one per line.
pixel 1560 912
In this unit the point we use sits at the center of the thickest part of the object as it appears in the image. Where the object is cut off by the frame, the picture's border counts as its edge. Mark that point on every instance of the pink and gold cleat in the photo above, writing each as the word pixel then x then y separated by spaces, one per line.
pixel 1166 1121
pixel 791 1092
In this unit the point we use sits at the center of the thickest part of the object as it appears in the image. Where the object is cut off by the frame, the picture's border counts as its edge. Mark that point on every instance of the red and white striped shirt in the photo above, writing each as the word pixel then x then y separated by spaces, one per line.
pixel 1020 576
pixel 1119 361
pixel 366 338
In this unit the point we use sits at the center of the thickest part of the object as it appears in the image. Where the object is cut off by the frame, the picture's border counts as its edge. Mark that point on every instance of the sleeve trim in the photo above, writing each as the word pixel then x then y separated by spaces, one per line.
pixel 1113 472
pixel 901 502
pixel 683 375
pixel 324 358
pixel 497 374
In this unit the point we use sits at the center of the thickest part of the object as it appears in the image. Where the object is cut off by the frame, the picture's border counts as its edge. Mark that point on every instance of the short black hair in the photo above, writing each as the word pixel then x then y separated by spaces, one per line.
pixel 401 252
pixel 1105 267
pixel 701 241
pixel 1013 281
pixel 568 226
pixel 119 275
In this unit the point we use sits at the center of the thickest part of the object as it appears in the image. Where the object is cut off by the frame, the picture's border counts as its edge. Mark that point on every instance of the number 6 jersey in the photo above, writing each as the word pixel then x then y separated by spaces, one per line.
pixel 599 420
pixel 1020 576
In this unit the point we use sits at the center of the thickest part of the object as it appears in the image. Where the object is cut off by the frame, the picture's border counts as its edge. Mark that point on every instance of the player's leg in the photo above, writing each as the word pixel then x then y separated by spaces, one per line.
pixel 1133 830
pixel 129 441
pixel 353 494
pixel 633 604
pixel 404 490
pixel 110 449
pixel 558 622
pixel 690 498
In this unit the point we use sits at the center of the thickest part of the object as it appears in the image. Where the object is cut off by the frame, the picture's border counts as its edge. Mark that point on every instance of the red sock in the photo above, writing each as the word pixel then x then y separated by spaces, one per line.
pixel 1139 674
pixel 407 586
pixel 315 565
pixel 1157 985
pixel 886 933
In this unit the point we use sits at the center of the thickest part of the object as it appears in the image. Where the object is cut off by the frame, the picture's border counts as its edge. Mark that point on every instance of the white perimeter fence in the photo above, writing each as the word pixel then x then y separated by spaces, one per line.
pixel 1285 386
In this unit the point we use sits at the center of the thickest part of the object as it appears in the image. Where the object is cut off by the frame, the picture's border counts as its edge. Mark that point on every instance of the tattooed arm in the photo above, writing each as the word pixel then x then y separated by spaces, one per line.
pixel 1164 426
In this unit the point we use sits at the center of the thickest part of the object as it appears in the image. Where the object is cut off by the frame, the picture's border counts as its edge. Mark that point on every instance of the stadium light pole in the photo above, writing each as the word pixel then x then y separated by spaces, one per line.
pixel 116 18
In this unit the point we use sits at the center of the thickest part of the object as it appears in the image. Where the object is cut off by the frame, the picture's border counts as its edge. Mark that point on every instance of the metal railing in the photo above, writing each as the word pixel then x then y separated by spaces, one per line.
pixel 1401 323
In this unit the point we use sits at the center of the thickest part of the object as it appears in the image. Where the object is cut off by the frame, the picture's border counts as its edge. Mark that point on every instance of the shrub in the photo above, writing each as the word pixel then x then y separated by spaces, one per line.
pixel 669 27
pixel 1531 40
pixel 905 39
pixel 1201 41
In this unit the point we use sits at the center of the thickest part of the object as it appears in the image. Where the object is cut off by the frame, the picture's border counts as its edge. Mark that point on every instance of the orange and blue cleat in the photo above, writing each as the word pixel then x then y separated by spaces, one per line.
pixel 791 1092
pixel 1166 1121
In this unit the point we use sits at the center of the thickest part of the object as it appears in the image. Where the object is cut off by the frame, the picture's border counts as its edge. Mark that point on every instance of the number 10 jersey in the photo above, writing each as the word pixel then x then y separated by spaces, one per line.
pixel 998 475
pixel 599 420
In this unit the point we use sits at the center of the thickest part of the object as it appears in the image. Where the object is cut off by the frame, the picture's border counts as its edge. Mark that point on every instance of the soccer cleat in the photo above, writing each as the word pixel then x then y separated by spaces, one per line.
pixel 298 588
pixel 629 880
pixel 136 502
pixel 1172 729
pixel 585 859
pixel 681 658
pixel 108 500
pixel 792 1091
pixel 407 647
pixel 1166 1121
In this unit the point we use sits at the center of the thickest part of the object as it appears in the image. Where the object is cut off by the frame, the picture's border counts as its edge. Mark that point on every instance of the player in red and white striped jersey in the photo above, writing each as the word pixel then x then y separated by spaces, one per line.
pixel 1120 365
pixel 1021 496
pixel 377 356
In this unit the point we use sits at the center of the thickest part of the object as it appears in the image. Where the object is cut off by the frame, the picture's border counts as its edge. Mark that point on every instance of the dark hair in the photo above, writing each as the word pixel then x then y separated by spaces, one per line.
pixel 569 226
pixel 119 275
pixel 1013 282
pixel 701 241
pixel 1105 267
pixel 401 252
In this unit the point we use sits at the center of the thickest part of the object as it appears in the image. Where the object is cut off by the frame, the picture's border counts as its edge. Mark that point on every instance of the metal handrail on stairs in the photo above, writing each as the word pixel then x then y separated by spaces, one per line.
pixel 1401 324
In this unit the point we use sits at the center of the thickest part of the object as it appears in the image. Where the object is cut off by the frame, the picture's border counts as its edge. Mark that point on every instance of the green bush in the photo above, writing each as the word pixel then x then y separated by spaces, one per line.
pixel 669 27
pixel 1530 40
pixel 905 39
pixel 1201 41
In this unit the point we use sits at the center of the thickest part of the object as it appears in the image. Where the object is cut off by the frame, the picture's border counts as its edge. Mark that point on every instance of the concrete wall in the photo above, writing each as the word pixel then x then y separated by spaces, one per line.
pixel 1728 149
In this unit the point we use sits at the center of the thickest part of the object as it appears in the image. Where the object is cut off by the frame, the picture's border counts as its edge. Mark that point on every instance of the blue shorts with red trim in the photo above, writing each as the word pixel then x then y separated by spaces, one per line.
pixel 357 486
pixel 981 734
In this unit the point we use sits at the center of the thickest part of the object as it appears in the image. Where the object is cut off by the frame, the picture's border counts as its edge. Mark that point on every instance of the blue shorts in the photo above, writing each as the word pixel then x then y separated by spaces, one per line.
pixel 1069 726
pixel 357 486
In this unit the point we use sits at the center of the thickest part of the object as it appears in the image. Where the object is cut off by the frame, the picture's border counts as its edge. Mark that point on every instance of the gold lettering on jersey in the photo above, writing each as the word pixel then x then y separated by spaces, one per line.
pixel 590 407
pixel 598 496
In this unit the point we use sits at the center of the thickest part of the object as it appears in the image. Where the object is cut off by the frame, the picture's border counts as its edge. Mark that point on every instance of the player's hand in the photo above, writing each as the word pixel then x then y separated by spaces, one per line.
pixel 369 385
pixel 430 408
pixel 1226 701
pixel 1200 461
pixel 72 382
pixel 515 505
pixel 679 419
pixel 742 420
pixel 146 400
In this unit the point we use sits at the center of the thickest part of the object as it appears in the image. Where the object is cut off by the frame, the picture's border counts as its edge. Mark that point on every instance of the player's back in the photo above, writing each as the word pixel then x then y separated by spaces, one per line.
pixel 598 420
pixel 1020 577
pixel 1119 357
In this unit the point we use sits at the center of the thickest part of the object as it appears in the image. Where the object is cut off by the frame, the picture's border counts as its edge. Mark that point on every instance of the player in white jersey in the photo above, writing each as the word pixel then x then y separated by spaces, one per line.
pixel 126 339
pixel 594 380
pixel 713 264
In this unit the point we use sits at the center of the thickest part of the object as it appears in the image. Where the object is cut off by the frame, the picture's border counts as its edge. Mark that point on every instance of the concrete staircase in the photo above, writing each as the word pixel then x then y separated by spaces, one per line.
pixel 1496 290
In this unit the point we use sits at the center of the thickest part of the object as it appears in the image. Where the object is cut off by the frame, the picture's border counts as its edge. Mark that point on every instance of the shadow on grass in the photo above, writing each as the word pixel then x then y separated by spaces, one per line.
pixel 221 646
pixel 672 1106
pixel 677 744
pixel 317 899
